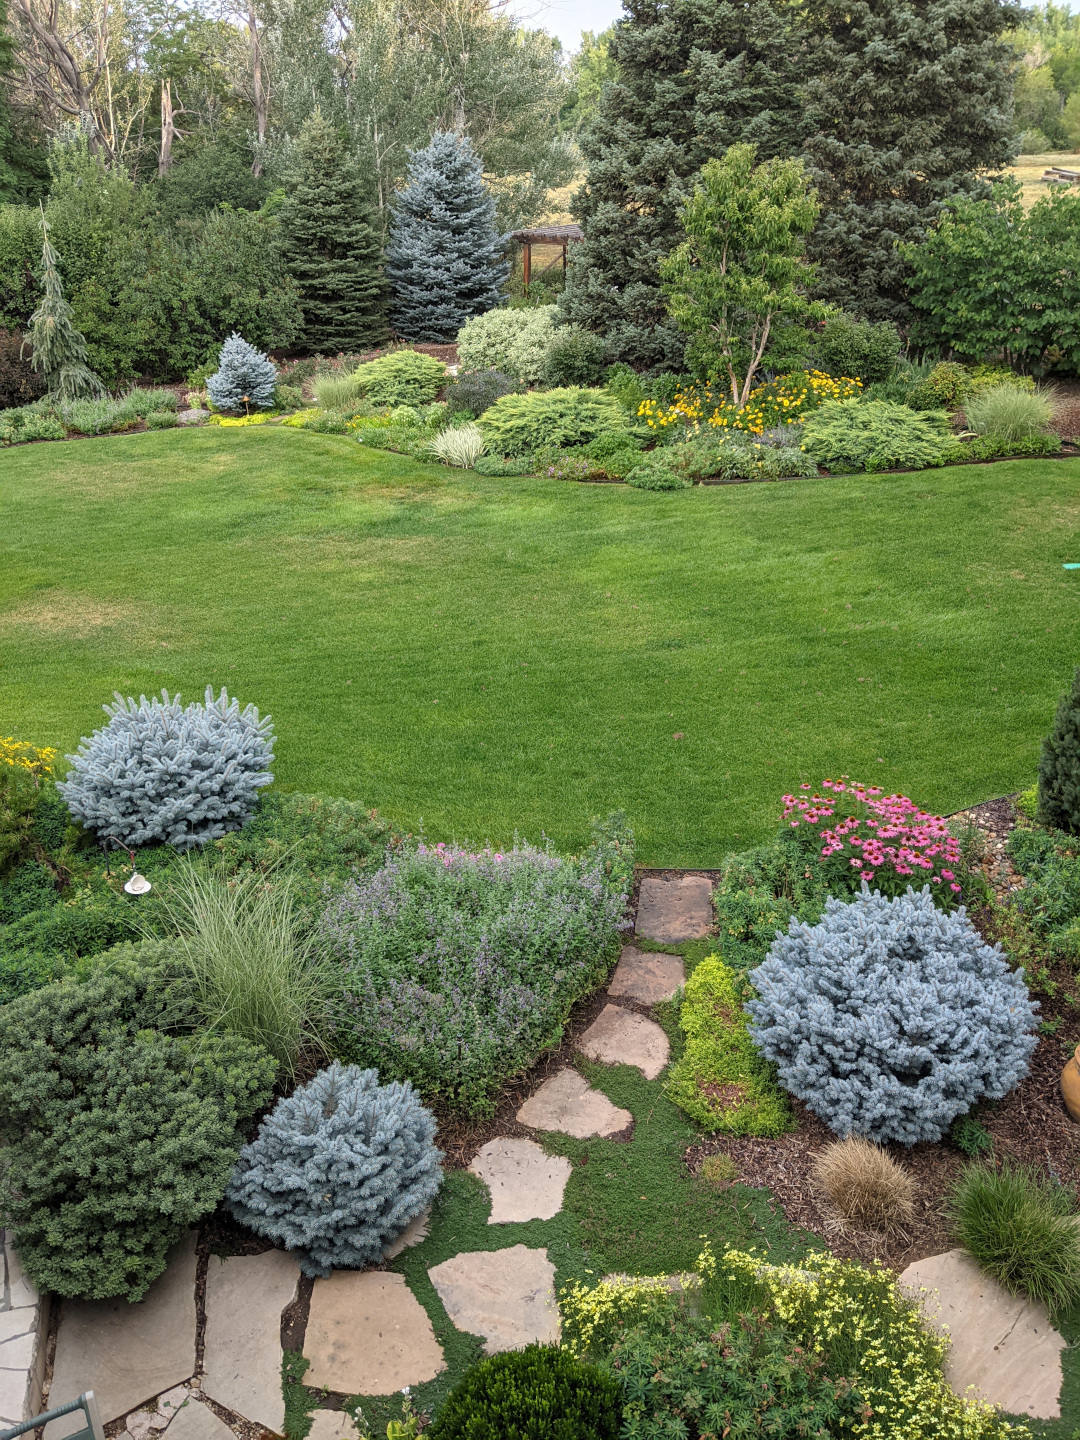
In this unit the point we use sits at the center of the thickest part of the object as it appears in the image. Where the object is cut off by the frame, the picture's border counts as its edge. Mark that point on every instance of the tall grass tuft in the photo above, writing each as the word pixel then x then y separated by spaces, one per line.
pixel 1021 1227
pixel 246 962
pixel 461 447
pixel 336 392
pixel 865 1184
pixel 1010 413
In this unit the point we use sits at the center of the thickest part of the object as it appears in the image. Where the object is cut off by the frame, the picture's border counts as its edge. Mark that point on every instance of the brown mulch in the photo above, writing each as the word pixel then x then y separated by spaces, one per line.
pixel 1066 421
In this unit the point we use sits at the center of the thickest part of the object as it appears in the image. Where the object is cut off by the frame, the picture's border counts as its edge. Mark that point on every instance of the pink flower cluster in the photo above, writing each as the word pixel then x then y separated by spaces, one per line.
pixel 875 832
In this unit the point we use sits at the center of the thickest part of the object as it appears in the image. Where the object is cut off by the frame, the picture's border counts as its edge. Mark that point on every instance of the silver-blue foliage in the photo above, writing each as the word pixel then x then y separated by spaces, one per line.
pixel 158 771
pixel 339 1169
pixel 889 1018
pixel 245 377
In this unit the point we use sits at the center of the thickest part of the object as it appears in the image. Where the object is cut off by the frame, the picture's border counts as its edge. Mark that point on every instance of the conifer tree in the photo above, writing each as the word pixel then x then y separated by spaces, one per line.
pixel 446 261
pixel 694 77
pixel 331 247
pixel 59 350
pixel 906 101
pixel 1059 766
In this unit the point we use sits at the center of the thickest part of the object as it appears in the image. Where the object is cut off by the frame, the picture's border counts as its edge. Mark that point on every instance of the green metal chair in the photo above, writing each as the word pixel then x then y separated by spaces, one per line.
pixel 86 1403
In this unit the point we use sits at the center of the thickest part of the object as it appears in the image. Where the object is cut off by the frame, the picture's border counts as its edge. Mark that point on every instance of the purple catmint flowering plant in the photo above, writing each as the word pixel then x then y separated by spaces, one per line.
pixel 455 968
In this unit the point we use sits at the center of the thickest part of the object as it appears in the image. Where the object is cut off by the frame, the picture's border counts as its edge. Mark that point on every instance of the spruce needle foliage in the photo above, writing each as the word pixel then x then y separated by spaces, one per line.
pixel 331 246
pixel 446 261
pixel 59 350
pixel 245 378
pixel 1059 766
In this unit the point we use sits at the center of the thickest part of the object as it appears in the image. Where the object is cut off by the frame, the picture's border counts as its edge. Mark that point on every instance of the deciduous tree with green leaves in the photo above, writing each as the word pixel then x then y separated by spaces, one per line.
pixel 738 283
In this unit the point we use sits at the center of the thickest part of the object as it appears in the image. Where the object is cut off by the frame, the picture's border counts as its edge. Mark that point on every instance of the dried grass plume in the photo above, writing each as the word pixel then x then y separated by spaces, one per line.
pixel 864 1185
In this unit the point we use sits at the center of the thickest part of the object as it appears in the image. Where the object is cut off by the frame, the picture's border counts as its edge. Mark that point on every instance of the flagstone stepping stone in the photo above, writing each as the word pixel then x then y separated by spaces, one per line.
pixel 1002 1344
pixel 245 1296
pixel 671 911
pixel 127 1353
pixel 332 1425
pixel 416 1232
pixel 623 1037
pixel 196 1421
pixel 367 1334
pixel 507 1296
pixel 647 977
pixel 566 1103
pixel 525 1183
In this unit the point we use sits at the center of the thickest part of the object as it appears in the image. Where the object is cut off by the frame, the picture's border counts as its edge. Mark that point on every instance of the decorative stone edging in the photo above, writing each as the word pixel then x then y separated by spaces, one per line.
pixel 24 1325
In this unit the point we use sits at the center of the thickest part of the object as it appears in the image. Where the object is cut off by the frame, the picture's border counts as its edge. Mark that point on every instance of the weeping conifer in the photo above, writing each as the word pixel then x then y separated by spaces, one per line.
pixel 59 350
pixel 331 247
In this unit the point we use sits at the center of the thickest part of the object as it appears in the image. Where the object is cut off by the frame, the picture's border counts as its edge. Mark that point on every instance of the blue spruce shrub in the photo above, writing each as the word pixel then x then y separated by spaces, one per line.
pixel 161 772
pixel 338 1170
pixel 445 261
pixel 890 1018
pixel 245 378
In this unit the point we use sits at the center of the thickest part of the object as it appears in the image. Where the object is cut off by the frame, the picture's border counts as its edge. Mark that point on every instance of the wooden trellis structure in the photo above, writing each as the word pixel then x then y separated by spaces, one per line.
pixel 562 236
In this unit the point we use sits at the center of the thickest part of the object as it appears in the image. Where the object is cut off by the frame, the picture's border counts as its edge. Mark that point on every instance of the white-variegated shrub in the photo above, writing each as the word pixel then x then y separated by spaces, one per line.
pixel 339 1169
pixel 159 771
pixel 890 1018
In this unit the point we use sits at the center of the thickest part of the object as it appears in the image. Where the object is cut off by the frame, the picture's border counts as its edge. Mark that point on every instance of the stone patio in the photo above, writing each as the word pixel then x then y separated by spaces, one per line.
pixel 1002 1344
pixel 566 1103
pixel 507 1296
pixel 671 911
pixel 525 1183
pixel 647 976
pixel 367 1334
pixel 623 1037
pixel 245 1296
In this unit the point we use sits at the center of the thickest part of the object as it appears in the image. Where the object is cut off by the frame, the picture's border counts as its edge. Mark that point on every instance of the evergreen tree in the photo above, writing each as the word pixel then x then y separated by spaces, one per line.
pixel 694 77
pixel 1059 766
pixel 330 246
pixel 59 350
pixel 446 261
pixel 907 101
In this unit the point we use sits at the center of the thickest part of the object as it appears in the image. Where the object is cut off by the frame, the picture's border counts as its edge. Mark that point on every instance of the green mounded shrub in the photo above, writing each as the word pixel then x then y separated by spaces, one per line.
pixel 1059 766
pixel 495 465
pixel 720 1080
pixel 654 472
pixel 759 891
pixel 404 377
pixel 120 1135
pixel 945 388
pixel 539 1393
pixel 1009 414
pixel 997 447
pixel 287 397
pixel 857 349
pixel 520 424
pixel 474 391
pixel 513 341
pixel 852 435
pixel 1021 1227
pixel 575 357
pixel 162 420
pixel 38 421
pixel 626 385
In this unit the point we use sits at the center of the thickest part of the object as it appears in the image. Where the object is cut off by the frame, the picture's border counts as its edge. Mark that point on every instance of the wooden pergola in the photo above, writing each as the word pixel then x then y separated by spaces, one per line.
pixel 561 235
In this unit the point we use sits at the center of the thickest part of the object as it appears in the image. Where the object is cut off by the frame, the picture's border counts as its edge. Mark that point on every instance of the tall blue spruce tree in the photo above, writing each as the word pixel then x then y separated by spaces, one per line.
pixel 446 261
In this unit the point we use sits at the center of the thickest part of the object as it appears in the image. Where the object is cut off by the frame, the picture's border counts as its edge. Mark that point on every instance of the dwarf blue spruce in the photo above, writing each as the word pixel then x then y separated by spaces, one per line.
pixel 890 1018
pixel 338 1170
pixel 245 377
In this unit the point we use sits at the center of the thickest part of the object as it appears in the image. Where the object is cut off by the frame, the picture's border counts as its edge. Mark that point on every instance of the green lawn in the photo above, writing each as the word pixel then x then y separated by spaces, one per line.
pixel 481 655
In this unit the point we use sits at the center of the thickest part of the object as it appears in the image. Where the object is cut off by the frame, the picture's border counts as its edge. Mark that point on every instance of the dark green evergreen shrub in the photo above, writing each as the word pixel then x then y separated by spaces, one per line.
pixel 120 1135
pixel 287 397
pixel 207 174
pixel 858 349
pixel 20 384
pixel 539 1393
pixel 521 424
pixel 575 357
pixel 27 888
pixel 477 390
pixel 1059 766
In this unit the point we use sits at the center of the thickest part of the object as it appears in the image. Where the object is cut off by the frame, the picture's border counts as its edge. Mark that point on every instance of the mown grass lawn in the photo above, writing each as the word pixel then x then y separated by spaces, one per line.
pixel 488 655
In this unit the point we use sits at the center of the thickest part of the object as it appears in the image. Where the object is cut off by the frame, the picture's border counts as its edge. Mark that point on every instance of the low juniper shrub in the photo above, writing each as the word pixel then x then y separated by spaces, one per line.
pixel 539 1393
pixel 159 771
pixel 339 1170
pixel 245 378
pixel 889 1018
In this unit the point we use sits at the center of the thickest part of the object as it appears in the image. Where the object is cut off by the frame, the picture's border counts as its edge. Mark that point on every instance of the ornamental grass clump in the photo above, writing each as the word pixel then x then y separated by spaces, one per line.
pixel 864 1185
pixel 459 446
pixel 889 1018
pixel 1021 1226
pixel 338 1170
pixel 159 771
pixel 1010 414
pixel 455 969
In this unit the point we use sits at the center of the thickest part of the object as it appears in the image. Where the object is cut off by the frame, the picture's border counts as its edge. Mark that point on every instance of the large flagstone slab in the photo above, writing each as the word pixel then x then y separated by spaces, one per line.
pixel 1002 1344
pixel 126 1353
pixel 671 911
pixel 367 1334
pixel 567 1103
pixel 647 976
pixel 245 1296
pixel 623 1037
pixel 507 1296
pixel 196 1421
pixel 525 1183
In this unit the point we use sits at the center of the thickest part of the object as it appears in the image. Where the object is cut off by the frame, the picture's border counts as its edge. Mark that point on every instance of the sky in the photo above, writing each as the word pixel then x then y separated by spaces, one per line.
pixel 567 18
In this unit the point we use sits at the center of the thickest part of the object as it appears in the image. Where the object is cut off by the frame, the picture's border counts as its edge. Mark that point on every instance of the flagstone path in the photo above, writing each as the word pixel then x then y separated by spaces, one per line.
pixel 507 1296
pixel 623 1037
pixel 525 1183
pixel 367 1334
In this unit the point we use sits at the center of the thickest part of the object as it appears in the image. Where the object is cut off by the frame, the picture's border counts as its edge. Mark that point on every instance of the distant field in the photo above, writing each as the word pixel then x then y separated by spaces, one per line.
pixel 1029 170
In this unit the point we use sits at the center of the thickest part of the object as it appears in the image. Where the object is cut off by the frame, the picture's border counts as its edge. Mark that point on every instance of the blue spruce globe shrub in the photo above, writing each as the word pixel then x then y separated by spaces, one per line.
pixel 890 1018
pixel 245 378
pixel 339 1169
pixel 159 772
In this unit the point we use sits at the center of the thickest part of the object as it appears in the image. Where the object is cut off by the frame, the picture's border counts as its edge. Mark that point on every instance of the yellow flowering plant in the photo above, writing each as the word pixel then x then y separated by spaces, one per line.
pixel 22 768
pixel 594 1317
pixel 786 400
pixel 37 760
